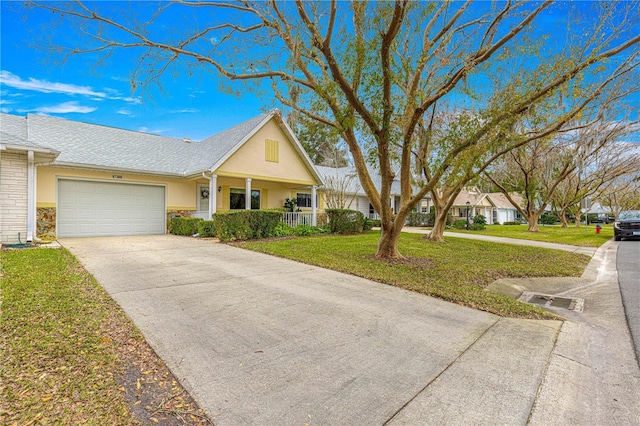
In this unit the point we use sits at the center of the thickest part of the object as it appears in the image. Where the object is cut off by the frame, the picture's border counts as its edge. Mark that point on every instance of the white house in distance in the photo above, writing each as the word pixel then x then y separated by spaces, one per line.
pixel 494 206
pixel 347 179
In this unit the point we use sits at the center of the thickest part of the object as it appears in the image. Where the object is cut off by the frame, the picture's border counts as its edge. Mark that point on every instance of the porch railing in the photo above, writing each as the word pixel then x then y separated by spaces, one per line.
pixel 201 215
pixel 294 219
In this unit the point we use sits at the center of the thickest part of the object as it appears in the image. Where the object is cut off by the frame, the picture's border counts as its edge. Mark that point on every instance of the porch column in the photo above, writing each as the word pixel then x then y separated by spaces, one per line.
pixel 247 194
pixel 31 195
pixel 213 195
pixel 314 207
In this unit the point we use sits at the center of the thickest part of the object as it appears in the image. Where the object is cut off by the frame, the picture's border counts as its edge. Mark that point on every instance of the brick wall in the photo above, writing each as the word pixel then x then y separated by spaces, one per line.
pixel 13 197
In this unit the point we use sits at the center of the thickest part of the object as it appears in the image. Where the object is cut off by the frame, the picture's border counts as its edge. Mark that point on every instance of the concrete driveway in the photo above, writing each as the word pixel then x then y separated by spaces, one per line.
pixel 261 340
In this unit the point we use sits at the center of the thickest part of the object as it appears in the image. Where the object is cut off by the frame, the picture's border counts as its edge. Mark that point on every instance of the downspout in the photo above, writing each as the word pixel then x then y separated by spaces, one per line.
pixel 31 196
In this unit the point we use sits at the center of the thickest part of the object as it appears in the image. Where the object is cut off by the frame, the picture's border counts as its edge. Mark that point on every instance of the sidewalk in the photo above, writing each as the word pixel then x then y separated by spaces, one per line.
pixel 592 377
pixel 589 251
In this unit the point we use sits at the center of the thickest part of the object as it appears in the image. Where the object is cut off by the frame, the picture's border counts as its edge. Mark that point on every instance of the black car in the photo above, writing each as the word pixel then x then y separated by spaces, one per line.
pixel 627 225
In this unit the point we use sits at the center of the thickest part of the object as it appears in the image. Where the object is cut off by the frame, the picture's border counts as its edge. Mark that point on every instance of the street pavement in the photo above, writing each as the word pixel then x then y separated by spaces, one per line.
pixel 628 265
pixel 262 340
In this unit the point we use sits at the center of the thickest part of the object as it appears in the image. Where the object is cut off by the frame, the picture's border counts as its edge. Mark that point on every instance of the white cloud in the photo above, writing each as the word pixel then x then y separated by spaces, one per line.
pixel 44 86
pixel 123 111
pixel 184 111
pixel 145 129
pixel 65 108
pixel 131 100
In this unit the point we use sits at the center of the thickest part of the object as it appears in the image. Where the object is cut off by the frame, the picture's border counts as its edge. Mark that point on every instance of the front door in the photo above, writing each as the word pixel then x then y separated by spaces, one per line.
pixel 203 197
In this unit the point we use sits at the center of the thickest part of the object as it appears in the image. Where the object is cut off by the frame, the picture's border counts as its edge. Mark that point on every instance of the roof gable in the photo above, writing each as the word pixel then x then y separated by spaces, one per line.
pixel 248 158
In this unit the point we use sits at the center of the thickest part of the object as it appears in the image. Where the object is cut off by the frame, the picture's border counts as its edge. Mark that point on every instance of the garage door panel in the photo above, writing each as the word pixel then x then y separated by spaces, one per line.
pixel 90 208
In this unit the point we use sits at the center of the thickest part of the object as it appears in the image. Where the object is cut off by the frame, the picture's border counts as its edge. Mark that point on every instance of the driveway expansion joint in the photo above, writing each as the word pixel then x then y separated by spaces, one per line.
pixel 436 378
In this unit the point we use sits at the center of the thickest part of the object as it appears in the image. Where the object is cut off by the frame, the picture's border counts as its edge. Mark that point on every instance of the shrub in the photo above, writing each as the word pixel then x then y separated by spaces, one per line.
pixel 184 225
pixel 374 222
pixel 290 204
pixel 477 227
pixel 206 228
pixel 282 230
pixel 512 223
pixel 306 230
pixel 344 221
pixel 418 219
pixel 246 224
pixel 460 224
pixel 548 219
pixel 479 220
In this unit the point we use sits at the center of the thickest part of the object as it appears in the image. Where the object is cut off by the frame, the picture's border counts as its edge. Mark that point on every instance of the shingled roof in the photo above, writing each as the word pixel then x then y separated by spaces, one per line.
pixel 84 144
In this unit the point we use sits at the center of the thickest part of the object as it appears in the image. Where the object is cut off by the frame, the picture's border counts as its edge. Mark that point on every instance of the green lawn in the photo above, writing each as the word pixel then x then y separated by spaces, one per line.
pixel 69 355
pixel 553 234
pixel 457 271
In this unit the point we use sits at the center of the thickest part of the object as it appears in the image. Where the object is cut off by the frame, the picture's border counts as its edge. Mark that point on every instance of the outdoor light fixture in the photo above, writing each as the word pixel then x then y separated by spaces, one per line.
pixel 219 188
pixel 468 204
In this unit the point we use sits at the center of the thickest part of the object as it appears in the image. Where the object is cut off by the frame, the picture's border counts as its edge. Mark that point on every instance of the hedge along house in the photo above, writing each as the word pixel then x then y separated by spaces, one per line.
pixel 94 180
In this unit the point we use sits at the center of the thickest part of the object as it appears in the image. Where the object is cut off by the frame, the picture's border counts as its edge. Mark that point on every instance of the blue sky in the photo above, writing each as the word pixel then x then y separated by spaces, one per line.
pixel 33 82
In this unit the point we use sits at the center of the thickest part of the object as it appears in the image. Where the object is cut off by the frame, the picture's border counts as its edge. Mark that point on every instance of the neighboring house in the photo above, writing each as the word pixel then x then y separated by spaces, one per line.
pixel 602 212
pixel 80 179
pixel 478 201
pixel 494 206
pixel 356 196
pixel 505 211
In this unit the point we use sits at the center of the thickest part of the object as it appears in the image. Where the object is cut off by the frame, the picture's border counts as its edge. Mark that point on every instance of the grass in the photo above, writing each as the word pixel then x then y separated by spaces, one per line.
pixel 69 354
pixel 552 234
pixel 457 271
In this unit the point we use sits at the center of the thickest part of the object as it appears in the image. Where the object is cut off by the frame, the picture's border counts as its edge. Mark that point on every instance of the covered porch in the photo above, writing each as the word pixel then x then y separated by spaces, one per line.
pixel 216 193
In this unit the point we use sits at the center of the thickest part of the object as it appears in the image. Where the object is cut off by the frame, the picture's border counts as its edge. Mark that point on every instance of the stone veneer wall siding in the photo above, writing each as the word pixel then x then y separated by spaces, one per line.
pixel 45 220
pixel 177 213
pixel 13 197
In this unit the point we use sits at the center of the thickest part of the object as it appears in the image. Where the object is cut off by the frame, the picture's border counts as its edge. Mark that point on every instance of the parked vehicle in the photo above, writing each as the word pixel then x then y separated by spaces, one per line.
pixel 627 225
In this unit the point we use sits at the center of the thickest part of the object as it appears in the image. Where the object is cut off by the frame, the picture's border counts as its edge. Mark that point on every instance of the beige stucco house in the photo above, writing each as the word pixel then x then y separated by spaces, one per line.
pixel 494 206
pixel 79 179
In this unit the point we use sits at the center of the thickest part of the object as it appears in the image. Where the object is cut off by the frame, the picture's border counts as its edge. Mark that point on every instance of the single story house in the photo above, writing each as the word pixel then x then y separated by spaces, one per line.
pixel 478 203
pixel 78 179
pixel 345 179
pixel 494 206
pixel 504 211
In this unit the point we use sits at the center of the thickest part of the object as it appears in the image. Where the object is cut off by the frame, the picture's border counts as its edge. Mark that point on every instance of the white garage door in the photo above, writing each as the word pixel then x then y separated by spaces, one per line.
pixel 88 208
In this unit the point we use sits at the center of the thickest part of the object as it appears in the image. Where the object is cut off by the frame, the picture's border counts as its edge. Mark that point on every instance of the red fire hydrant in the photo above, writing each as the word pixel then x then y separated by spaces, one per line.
pixel 598 228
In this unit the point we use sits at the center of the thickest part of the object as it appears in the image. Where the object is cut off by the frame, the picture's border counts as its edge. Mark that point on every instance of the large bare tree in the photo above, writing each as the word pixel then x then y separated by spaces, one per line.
pixel 597 175
pixel 374 70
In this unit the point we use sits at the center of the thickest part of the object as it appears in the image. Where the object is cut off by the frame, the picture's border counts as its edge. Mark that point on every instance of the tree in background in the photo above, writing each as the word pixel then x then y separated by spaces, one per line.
pixel 583 159
pixel 373 71
pixel 321 142
pixel 623 194
pixel 597 175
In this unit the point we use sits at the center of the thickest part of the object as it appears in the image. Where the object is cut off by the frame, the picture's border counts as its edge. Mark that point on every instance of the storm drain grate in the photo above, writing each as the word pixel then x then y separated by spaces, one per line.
pixel 550 300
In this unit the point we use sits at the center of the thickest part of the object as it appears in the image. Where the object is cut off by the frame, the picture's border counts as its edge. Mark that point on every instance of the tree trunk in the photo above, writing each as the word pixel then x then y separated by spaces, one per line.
pixel 563 218
pixel 532 220
pixel 577 221
pixel 388 244
pixel 439 225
